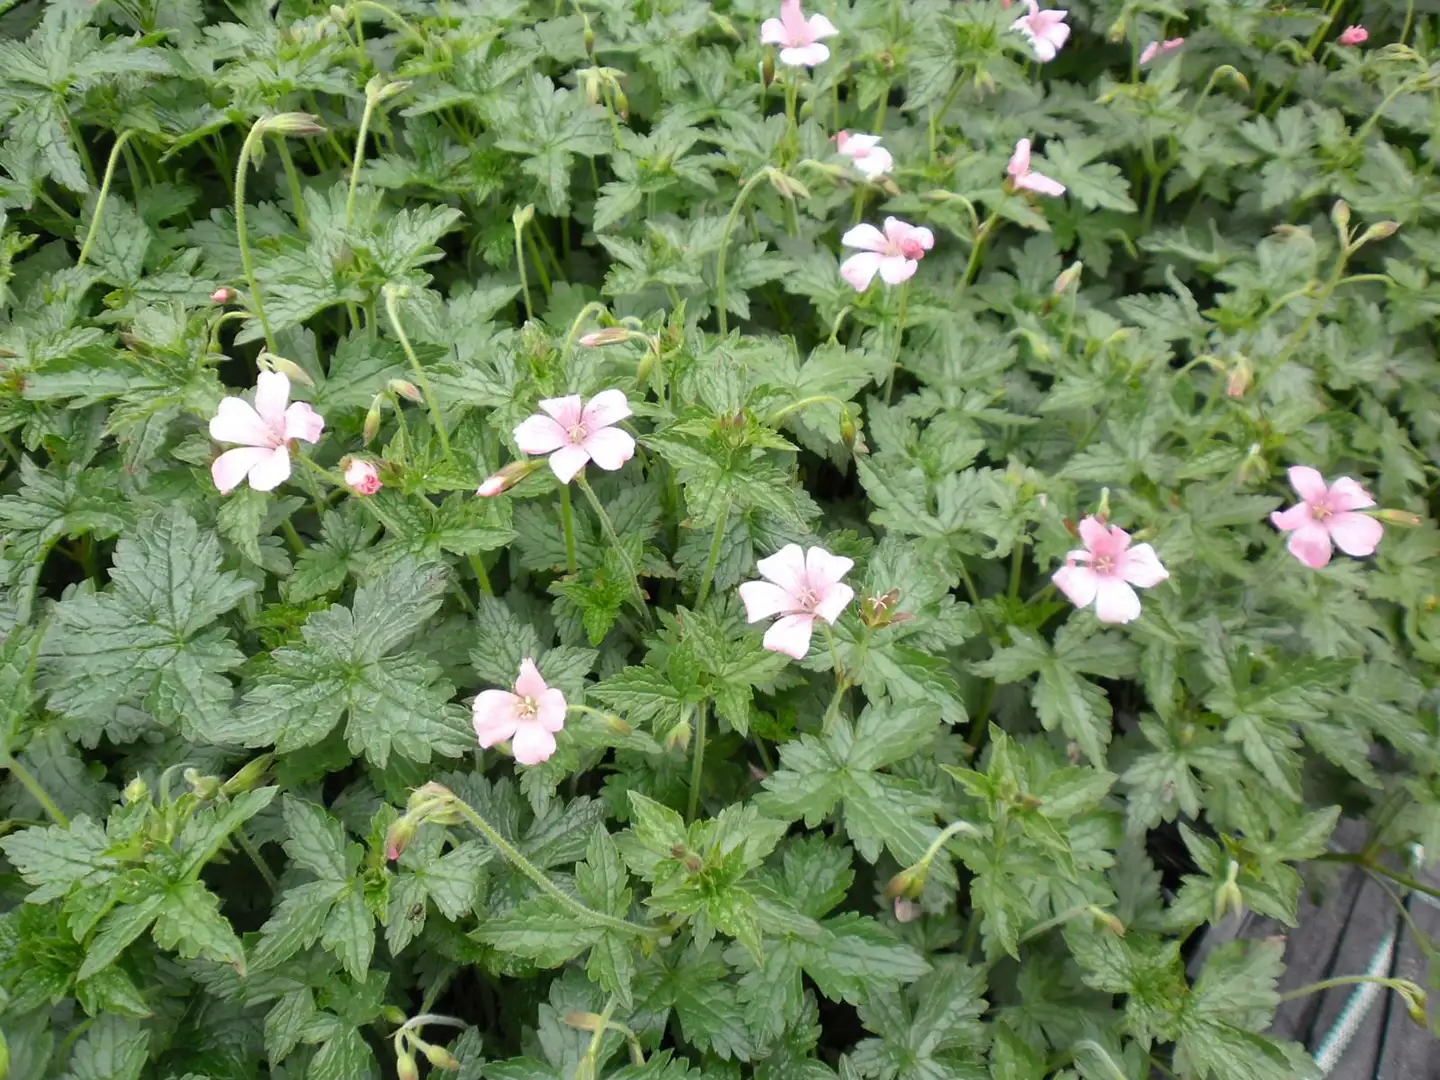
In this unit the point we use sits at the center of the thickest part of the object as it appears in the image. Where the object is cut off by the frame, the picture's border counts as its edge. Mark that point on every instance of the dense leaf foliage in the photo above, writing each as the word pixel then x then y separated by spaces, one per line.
pixel 953 525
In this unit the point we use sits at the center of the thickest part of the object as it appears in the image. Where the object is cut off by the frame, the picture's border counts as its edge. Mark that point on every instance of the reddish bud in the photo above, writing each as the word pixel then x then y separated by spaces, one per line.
pixel 223 295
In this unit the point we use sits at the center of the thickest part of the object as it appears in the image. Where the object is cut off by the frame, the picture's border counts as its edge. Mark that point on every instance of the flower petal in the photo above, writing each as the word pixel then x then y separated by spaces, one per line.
pixel 1041 184
pixel 877 162
pixel 1311 545
pixel 272 470
pixel 1142 567
pixel 1294 518
pixel 303 422
pixel 857 141
pixel 610 447
pixel 551 709
pixel 821 27
pixel 785 568
pixel 1307 482
pixel 493 716
pixel 531 683
pixel 772 32
pixel 895 269
pixel 1020 159
pixel 532 744
pixel 1078 583
pixel 1347 494
pixel 539 435
pixel 805 55
pixel 822 568
pixel 762 599
pixel 231 467
pixel 236 421
pixel 834 599
pixel 567 461
pixel 566 410
pixel 1355 534
pixel 1116 601
pixel 790 635
pixel 860 270
pixel 866 237
pixel 1093 534
pixel 604 409
pixel 272 393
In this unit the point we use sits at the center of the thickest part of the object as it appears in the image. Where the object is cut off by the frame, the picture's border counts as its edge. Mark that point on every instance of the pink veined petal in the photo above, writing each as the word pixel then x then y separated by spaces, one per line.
pixel 805 55
pixel 823 568
pixel 762 599
pixel 785 568
pixel 1022 25
pixel 834 600
pixel 875 163
pixel 539 435
pixel 1115 601
pixel 493 716
pixel 857 142
pixel 1148 53
pixel 772 32
pixel 566 410
pixel 550 710
pixel 304 423
pixel 232 466
pixel 610 447
pixel 1020 159
pixel 790 635
pixel 604 409
pixel 1142 567
pixel 567 461
pixel 866 237
pixel 1296 517
pixel 1044 48
pixel 1347 494
pixel 1080 555
pixel 896 232
pixel 1041 184
pixel 821 27
pixel 236 421
pixel 1311 545
pixel 923 236
pixel 1094 535
pixel 272 392
pixel 532 744
pixel 1307 482
pixel 896 269
pixel 530 682
pixel 272 470
pixel 1355 534
pixel 1078 583
pixel 860 270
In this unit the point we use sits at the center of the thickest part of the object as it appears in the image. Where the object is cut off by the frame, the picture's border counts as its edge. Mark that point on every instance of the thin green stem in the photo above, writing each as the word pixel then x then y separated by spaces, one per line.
pixel 773 420
pixel 248 846
pixel 37 792
pixel 360 138
pixel 292 178
pixel 1404 987
pixel 590 1064
pixel 520 265
pixel 431 403
pixel 567 519
pixel 94 229
pixel 242 166
pixel 1382 870
pixel 544 884
pixel 697 762
pixel 717 541
pixel 1104 1055
pixel 748 187
pixel 978 248
pixel 899 339
pixel 609 527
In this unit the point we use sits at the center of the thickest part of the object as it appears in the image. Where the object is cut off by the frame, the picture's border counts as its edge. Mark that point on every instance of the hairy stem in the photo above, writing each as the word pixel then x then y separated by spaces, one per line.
pixel 717 541
pixel 242 167
pixel 360 138
pixel 725 244
pixel 94 229
pixel 567 518
pixel 37 792
pixel 610 534
pixel 292 178
pixel 697 763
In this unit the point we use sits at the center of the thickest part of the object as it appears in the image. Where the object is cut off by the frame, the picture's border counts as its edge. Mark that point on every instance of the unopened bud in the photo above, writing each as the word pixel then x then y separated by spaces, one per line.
pixel 398 837
pixel 1104 512
pixel 372 420
pixel 786 185
pixel 204 787
pixel 692 863
pixel 767 69
pixel 522 215
pixel 584 1021
pixel 1340 216
pixel 378 89
pixel 292 124
pixel 847 428
pixel 622 104
pixel 393 1014
pixel 908 883
pixel 677 740
pixel 249 775
pixel 135 791
pixel 1228 897
pixel 907 910
pixel 405 1067
pixel 1107 920
pixel 1399 517
pixel 502 481
pixel 440 1057
pixel 340 16
pixel 1381 230
pixel 291 370
pixel 611 335
pixel 1067 278
pixel 589 39
pixel 223 295
pixel 1240 378
pixel 361 476
pixel 618 726
pixel 406 389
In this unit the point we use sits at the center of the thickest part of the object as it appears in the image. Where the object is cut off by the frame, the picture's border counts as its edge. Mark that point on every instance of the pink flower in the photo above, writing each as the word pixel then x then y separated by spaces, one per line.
pixel 1022 176
pixel 264 431
pixel 1327 515
pixel 798 587
pixel 362 476
pixel 579 433
pixel 223 295
pixel 870 158
pixel 798 37
pixel 1354 35
pixel 1160 48
pixel 907 910
pixel 528 718
pixel 894 254
pixel 491 486
pixel 1045 30
pixel 1107 567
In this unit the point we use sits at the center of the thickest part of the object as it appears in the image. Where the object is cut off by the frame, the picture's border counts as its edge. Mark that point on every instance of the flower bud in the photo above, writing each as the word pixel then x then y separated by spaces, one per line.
pixel 611 335
pixel 589 39
pixel 1107 920
pixel 584 1021
pixel 908 883
pixel 1228 897
pixel 847 428
pixel 677 740
pixel 1381 230
pixel 502 481
pixel 440 1057
pixel 204 787
pixel 1340 217
pixel 135 791
pixel 522 215
pixel 1241 377
pixel 406 389
pixel 767 69
pixel 362 476
pixel 378 89
pixel 622 104
pixel 291 124
pixel 372 420
pixel 405 1067
pixel 907 910
pixel 339 15
pixel 1399 517
pixel 291 370
pixel 393 1015
pixel 398 837
pixel 223 295
pixel 1068 277
pixel 249 775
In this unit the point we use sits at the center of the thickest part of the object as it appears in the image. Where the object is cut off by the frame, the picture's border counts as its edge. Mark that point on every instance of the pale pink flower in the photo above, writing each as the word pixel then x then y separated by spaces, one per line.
pixel 1354 35
pixel 870 158
pixel 1105 569
pixel 528 718
pixel 1160 48
pixel 264 431
pixel 1325 517
pixel 894 254
pixel 491 486
pixel 907 910
pixel 223 295
pixel 578 433
pixel 1045 30
pixel 798 36
pixel 799 586
pixel 362 477
pixel 1022 176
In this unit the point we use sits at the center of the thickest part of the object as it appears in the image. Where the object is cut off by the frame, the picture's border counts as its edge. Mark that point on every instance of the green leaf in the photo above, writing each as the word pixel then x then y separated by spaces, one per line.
pixel 112 1048
pixel 190 923
pixel 57 860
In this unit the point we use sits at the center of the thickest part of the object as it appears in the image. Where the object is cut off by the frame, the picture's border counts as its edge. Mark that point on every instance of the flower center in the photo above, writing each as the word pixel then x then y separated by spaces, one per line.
pixel 1321 509
pixel 528 708
pixel 1105 564
pixel 577 433
pixel 807 598
pixel 911 248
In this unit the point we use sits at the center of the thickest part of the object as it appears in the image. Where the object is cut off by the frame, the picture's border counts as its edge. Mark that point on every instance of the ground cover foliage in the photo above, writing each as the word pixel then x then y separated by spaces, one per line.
pixel 322 764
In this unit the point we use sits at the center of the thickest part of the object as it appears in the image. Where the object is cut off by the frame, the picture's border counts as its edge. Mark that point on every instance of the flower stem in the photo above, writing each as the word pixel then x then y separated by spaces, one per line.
pixel 1382 870
pixel 620 549
pixel 248 846
pixel 420 377
pixel 520 265
pixel 242 167
pixel 697 763
pixel 725 244
pixel 292 177
pixel 567 517
pixel 978 249
pixel 544 884
pixel 1404 987
pixel 37 792
pixel 716 542
pixel 899 340
pixel 360 138
pixel 94 229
